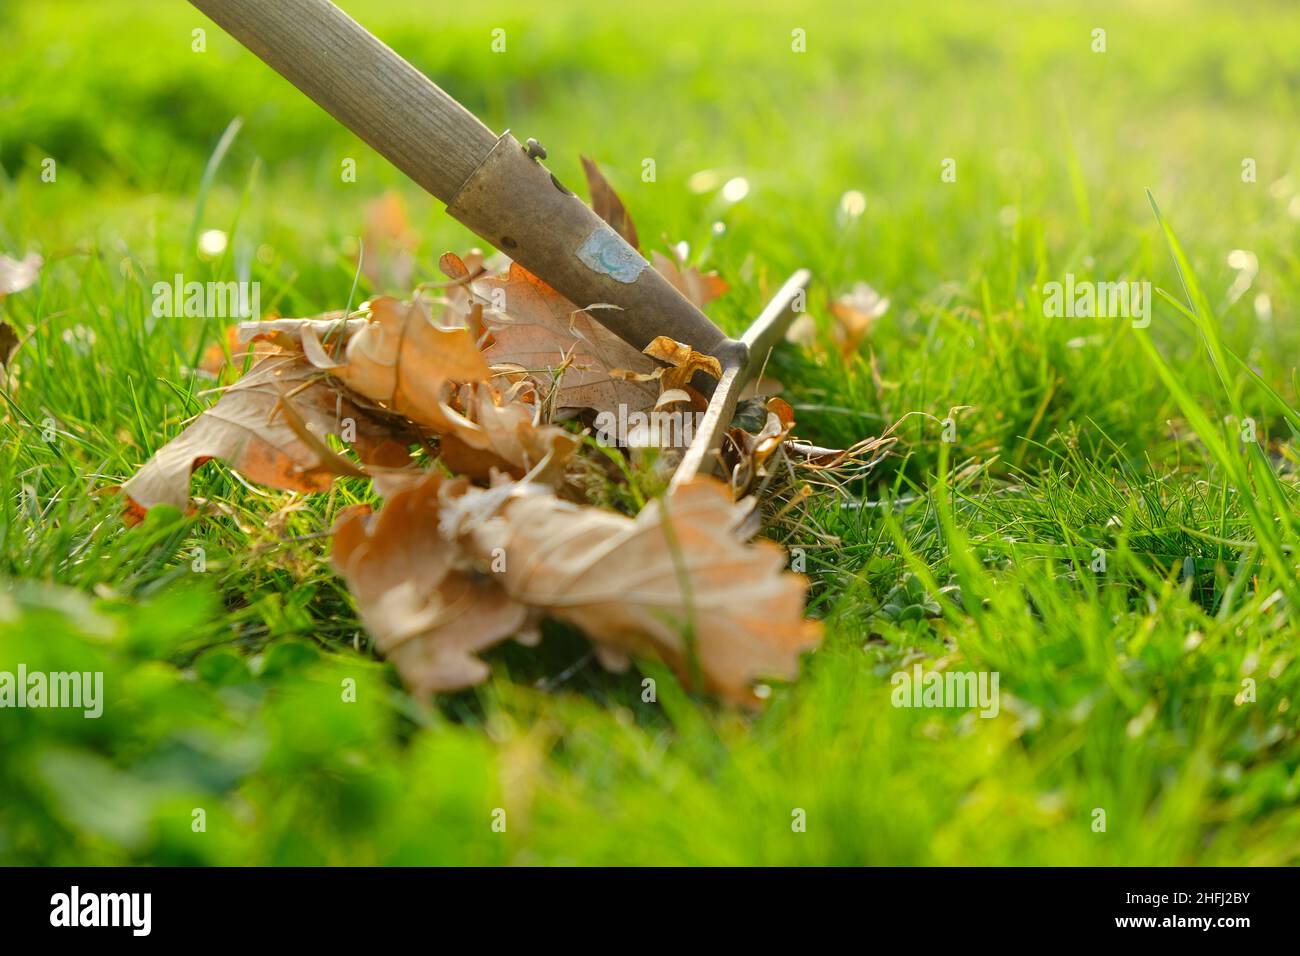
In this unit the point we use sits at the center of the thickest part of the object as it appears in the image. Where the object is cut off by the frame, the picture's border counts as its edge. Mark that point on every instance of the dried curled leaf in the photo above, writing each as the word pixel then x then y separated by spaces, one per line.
pixel 676 583
pixel 320 339
pixel 747 453
pixel 388 249
pixel 428 610
pixel 463 307
pixel 606 204
pixel 683 362
pixel 446 570
pixel 539 330
pixel 854 315
pixel 405 362
pixel 270 426
pixel 505 436
pixel 8 343
pixel 700 288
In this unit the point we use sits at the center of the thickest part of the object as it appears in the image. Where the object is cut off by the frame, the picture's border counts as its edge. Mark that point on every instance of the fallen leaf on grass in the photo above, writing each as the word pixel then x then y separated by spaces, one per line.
pixel 606 204
pixel 249 430
pixel 676 583
pixel 855 314
pixel 747 453
pixel 540 330
pixel 240 345
pixel 327 331
pixel 436 377
pixel 506 438
pixel 428 610
pixel 405 362
pixel 445 570
pixel 802 331
pixel 463 307
pixel 683 362
pixel 700 288
pixel 8 343
pixel 18 274
pixel 388 247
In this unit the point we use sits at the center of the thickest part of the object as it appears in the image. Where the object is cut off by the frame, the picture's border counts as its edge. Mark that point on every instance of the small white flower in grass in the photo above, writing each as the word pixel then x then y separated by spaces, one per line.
pixel 852 205
pixel 80 339
pixel 735 189
pixel 212 243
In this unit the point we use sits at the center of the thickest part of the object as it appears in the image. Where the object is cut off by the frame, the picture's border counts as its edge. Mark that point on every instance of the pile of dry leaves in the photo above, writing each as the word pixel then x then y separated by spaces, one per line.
pixel 466 407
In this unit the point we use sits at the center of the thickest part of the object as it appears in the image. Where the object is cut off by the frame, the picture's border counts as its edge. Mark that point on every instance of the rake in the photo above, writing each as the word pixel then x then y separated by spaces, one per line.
pixel 500 190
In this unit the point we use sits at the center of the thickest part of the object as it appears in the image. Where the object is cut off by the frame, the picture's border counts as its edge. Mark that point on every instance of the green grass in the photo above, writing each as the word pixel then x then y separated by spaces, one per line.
pixel 1122 689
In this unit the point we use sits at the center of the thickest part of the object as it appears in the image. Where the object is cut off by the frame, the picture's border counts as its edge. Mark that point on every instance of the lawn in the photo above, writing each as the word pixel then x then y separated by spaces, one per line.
pixel 1102 513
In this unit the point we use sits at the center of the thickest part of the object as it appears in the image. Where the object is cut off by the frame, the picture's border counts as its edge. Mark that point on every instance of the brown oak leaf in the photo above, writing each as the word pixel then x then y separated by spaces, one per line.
pixel 257 427
pixel 676 583
pixel 401 359
pixel 683 360
pixel 388 248
pixel 506 437
pixel 480 430
pixel 539 330
pixel 855 315
pixel 606 204
pixel 429 611
pixel 746 453
pixel 701 288
pixel 9 342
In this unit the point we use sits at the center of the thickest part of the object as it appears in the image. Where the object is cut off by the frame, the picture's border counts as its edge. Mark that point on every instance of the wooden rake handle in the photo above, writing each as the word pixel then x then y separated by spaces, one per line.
pixel 364 85
pixel 488 182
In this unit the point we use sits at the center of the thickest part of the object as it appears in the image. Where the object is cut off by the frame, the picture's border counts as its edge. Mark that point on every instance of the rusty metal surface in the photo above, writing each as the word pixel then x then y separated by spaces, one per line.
pixel 762 336
pixel 513 202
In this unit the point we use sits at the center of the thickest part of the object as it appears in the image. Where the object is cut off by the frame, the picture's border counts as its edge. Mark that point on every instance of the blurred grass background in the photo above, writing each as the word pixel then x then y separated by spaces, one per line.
pixel 1120 692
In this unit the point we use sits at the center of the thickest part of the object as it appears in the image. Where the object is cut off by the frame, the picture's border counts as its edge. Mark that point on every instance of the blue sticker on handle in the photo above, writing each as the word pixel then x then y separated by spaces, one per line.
pixel 606 252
